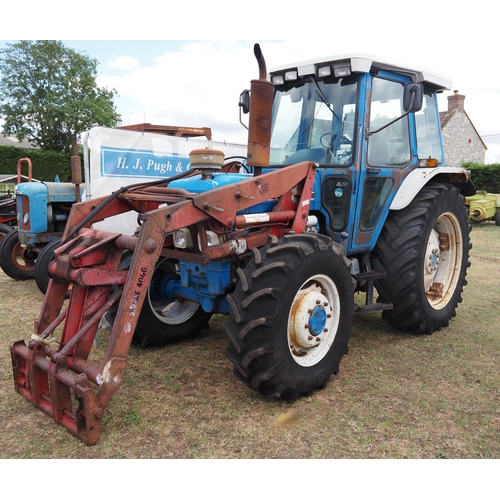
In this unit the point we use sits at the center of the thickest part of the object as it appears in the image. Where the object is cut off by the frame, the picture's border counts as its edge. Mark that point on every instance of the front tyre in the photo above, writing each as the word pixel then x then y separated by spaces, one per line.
pixel 291 316
pixel 18 259
pixel 4 230
pixel 496 218
pixel 45 257
pixel 424 250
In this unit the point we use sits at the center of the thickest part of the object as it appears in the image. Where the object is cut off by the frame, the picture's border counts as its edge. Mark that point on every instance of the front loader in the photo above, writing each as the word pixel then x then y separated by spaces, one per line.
pixel 326 205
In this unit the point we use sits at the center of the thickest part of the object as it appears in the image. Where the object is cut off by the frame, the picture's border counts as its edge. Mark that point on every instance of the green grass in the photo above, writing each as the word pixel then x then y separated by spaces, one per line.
pixel 396 396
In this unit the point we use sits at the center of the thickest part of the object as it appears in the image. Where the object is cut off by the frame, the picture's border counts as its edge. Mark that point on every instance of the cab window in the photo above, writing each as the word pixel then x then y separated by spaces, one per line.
pixel 389 147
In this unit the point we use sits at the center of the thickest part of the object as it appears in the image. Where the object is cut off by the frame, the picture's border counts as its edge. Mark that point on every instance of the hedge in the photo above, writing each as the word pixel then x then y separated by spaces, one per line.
pixel 485 177
pixel 46 164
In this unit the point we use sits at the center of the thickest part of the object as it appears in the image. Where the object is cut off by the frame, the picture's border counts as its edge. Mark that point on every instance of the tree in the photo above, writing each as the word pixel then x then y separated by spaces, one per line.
pixel 49 94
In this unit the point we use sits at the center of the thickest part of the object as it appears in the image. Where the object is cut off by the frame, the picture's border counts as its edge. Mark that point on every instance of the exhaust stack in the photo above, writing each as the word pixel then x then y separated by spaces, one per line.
pixel 261 103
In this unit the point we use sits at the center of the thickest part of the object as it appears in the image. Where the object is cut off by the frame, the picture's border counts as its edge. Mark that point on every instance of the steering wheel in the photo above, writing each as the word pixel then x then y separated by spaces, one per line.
pixel 328 146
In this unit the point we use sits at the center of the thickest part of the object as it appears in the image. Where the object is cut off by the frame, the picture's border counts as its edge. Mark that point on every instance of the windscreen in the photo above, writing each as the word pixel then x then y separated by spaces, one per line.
pixel 314 120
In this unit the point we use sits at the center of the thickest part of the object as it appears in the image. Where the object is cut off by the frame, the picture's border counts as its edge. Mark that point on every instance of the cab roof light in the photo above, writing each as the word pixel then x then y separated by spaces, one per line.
pixel 341 71
pixel 288 76
pixel 324 71
pixel 278 80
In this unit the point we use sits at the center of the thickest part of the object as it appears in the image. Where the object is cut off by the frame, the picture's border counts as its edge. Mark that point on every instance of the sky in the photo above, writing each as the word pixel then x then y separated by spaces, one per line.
pixel 162 77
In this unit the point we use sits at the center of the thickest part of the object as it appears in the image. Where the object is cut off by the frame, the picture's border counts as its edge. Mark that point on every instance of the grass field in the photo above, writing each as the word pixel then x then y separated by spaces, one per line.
pixel 396 396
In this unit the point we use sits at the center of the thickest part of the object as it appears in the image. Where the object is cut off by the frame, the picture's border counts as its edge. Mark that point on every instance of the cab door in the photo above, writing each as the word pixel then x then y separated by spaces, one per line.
pixel 388 155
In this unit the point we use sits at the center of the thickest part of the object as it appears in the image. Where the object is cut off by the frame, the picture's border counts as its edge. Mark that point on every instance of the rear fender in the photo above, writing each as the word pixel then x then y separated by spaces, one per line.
pixel 417 179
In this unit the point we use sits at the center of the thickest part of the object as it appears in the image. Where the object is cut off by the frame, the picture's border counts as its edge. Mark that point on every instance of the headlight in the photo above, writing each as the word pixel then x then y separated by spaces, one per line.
pixel 182 238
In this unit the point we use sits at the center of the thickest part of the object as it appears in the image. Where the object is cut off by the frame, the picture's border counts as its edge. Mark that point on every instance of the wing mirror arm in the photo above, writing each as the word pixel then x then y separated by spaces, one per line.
pixel 412 103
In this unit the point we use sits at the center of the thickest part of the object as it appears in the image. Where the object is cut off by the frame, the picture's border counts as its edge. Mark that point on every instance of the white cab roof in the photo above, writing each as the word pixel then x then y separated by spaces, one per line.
pixel 363 63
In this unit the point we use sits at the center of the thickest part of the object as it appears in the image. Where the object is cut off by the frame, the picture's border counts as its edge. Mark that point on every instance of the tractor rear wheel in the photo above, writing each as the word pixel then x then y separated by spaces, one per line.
pixel 18 260
pixel 291 316
pixel 424 250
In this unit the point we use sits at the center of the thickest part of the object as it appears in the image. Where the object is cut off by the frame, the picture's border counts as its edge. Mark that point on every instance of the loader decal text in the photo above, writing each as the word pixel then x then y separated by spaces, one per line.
pixel 140 281
pixel 137 293
pixel 118 162
pixel 135 300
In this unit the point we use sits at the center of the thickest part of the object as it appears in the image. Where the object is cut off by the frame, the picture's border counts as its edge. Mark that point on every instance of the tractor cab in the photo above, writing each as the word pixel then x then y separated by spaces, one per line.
pixel 367 124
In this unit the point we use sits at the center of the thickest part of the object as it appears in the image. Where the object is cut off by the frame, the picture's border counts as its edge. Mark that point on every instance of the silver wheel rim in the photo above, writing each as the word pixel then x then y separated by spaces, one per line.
pixel 313 320
pixel 176 312
pixel 443 260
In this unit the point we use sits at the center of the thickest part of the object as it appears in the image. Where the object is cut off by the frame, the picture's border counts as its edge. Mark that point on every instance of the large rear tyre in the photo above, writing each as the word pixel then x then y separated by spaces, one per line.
pixel 164 320
pixel 291 316
pixel 18 260
pixel 424 249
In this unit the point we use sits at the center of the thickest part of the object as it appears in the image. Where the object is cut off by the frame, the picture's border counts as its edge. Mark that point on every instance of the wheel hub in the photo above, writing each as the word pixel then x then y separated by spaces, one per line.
pixel 317 320
pixel 432 261
pixel 432 257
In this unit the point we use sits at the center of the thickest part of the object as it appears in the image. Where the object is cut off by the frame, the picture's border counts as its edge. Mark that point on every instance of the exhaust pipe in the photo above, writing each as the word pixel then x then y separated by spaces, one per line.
pixel 261 104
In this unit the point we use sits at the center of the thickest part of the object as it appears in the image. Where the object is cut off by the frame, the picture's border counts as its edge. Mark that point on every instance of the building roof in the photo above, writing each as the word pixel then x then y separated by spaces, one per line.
pixel 12 178
pixel 9 140
pixel 456 105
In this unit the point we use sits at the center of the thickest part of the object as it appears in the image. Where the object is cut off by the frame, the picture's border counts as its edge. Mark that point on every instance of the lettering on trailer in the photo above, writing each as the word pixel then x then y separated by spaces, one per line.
pixel 119 162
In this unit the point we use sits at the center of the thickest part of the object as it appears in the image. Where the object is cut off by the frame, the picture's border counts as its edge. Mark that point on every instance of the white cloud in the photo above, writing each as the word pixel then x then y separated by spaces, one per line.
pixel 124 62
pixel 197 86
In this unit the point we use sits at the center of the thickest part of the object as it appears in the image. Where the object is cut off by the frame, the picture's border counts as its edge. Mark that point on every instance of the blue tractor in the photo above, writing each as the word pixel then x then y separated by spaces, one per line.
pixel 42 211
pixel 344 190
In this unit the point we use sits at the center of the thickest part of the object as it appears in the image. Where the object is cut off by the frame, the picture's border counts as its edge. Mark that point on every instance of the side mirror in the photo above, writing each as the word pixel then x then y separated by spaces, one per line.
pixel 413 97
pixel 244 103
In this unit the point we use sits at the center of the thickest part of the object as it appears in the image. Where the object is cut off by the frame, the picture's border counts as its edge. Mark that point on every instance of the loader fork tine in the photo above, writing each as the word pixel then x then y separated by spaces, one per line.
pixel 50 387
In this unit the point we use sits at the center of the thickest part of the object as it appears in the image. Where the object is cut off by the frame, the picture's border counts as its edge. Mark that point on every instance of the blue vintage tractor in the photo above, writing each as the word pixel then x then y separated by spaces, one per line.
pixel 344 190
pixel 42 212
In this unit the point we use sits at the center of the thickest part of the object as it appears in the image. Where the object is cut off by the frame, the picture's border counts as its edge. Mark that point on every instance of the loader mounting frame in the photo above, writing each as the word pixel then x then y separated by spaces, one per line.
pixel 60 377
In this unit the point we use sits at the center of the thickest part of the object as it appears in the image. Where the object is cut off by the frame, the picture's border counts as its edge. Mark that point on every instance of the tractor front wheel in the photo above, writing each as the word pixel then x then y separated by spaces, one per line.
pixel 45 257
pixel 496 218
pixel 163 320
pixel 18 260
pixel 4 230
pixel 291 316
